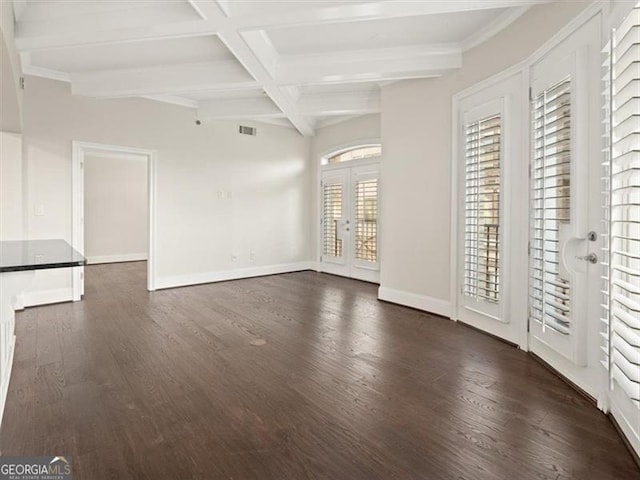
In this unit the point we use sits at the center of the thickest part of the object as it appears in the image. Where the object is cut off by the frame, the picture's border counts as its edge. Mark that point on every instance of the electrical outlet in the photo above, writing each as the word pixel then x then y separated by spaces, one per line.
pixel 38 210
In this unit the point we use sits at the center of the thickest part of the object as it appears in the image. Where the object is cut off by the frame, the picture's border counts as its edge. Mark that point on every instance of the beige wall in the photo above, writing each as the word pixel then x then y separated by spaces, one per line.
pixel 264 181
pixel 416 138
pixel 115 207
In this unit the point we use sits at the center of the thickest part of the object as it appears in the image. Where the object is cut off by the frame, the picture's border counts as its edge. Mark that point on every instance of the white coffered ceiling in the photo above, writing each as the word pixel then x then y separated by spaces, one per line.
pixel 291 62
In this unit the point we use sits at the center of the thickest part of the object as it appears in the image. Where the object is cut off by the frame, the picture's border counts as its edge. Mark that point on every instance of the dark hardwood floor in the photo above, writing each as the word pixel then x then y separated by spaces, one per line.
pixel 166 385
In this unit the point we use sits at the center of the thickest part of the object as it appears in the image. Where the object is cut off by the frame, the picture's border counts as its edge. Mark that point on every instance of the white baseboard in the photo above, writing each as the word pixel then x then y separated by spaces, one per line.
pixel 46 297
pixel 413 300
pixel 628 429
pixel 222 275
pixel 125 257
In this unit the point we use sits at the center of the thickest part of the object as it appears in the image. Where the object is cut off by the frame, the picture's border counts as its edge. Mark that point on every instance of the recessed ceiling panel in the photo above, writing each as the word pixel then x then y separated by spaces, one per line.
pixel 394 32
pixel 133 54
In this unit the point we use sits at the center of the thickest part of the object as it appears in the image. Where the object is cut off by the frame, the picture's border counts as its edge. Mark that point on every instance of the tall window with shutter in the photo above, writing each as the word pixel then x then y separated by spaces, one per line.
pixel 621 319
pixel 482 210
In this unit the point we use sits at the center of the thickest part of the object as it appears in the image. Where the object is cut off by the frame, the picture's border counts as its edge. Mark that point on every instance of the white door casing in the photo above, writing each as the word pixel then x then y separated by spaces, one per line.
pixel 486 117
pixel 79 150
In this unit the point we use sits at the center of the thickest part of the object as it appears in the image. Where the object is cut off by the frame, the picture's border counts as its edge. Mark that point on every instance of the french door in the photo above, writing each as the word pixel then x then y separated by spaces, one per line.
pixel 488 172
pixel 564 274
pixel 349 222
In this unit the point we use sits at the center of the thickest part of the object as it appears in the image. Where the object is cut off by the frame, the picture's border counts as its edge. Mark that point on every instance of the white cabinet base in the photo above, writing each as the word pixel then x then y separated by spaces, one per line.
pixel 12 284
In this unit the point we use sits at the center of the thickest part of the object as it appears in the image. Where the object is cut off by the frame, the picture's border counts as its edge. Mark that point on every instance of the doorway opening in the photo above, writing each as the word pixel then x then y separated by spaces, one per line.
pixel 113 207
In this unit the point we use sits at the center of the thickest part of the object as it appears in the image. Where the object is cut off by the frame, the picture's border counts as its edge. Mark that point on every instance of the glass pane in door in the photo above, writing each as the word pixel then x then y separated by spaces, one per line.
pixel 367 220
pixel 332 218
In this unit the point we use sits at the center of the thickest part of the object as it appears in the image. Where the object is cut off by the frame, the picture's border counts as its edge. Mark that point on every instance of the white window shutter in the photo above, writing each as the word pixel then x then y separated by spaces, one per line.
pixel 366 213
pixel 551 199
pixel 482 209
pixel 331 218
pixel 621 319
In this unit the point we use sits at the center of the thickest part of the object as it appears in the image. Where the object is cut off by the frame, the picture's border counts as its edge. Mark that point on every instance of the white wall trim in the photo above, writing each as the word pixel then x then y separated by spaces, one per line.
pixel 123 257
pixel 493 28
pixel 79 150
pixel 414 300
pixel 235 274
pixel 343 147
pixel 46 297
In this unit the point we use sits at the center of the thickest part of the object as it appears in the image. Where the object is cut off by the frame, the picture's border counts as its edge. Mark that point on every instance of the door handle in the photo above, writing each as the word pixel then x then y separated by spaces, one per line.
pixel 591 258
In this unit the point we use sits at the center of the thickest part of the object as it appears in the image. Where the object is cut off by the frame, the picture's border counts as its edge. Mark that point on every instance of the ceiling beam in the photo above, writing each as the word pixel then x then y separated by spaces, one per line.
pixel 253 64
pixel 370 11
pixel 319 104
pixel 65 37
pixel 368 65
pixel 163 79
pixel 252 108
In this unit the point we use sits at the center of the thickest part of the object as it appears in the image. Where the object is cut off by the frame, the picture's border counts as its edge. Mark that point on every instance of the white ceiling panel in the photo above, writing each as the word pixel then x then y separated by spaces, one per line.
pixel 133 54
pixel 394 32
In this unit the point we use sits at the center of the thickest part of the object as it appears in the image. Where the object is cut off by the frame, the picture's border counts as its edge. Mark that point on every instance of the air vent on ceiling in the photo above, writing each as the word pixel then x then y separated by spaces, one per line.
pixel 244 130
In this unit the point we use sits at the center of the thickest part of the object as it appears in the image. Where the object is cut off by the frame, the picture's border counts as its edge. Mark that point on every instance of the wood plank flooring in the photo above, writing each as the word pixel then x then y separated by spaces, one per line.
pixel 166 385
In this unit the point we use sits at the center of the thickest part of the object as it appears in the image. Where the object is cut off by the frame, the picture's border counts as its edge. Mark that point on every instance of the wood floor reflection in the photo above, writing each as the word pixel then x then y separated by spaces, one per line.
pixel 166 385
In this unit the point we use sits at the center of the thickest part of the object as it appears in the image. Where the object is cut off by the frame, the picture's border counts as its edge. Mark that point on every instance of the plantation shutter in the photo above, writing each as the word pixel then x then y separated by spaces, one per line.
pixel 621 319
pixel 482 210
pixel 551 200
pixel 331 218
pixel 366 212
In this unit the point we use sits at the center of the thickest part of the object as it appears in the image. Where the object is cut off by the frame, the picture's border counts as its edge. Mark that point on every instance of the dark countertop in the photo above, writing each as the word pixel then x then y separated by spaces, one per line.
pixel 20 255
